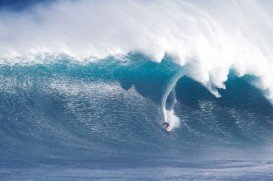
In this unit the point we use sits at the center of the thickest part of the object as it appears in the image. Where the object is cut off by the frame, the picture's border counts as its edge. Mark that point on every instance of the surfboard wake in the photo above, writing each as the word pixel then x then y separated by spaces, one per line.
pixel 168 113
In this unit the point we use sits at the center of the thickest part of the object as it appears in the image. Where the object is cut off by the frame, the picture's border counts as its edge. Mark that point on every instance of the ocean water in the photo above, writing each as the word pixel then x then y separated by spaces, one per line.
pixel 84 99
pixel 64 120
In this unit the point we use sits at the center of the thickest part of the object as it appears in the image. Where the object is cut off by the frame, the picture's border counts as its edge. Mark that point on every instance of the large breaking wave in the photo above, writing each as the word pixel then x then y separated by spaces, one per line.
pixel 115 106
pixel 80 80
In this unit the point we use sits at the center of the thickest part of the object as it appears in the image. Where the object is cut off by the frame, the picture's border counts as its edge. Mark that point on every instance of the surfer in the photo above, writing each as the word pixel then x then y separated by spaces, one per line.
pixel 166 125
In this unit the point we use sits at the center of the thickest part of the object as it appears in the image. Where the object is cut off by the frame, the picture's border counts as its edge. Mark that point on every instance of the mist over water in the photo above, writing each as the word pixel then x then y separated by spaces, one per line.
pixel 86 85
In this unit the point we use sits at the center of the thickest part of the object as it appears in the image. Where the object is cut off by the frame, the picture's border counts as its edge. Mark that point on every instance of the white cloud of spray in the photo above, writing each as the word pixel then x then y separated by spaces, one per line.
pixel 211 37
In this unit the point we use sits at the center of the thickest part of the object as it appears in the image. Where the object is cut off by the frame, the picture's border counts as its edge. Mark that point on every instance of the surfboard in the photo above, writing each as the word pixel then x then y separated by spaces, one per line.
pixel 168 129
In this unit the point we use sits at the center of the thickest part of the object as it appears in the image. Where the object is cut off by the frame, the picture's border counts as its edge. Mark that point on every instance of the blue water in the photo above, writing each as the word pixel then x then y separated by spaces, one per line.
pixel 65 120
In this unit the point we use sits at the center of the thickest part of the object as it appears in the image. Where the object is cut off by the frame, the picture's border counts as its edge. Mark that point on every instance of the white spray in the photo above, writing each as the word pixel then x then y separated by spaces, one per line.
pixel 169 115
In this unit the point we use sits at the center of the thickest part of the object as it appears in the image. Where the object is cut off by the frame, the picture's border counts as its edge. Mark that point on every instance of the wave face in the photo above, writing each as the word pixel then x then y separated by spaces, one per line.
pixel 110 112
pixel 86 85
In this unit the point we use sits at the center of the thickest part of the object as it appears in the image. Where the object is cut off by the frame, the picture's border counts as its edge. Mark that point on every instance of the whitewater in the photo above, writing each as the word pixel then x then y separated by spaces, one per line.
pixel 85 86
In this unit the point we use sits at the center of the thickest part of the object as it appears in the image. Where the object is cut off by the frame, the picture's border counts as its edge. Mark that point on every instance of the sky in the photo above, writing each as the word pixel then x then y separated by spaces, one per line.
pixel 17 5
